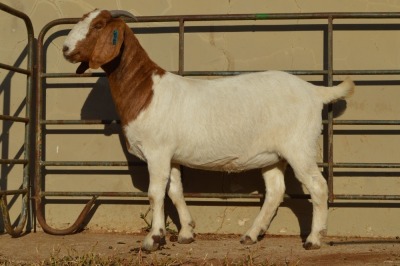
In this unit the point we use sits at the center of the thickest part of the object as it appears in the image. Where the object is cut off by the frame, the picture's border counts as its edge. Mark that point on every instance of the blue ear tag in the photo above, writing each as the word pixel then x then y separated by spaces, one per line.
pixel 115 37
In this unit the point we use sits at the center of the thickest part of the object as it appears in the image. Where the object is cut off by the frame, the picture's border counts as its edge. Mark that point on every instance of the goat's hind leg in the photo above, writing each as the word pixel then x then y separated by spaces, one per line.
pixel 275 189
pixel 175 192
pixel 316 184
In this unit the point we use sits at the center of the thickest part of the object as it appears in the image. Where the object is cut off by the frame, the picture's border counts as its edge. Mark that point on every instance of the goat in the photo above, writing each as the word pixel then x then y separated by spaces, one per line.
pixel 257 120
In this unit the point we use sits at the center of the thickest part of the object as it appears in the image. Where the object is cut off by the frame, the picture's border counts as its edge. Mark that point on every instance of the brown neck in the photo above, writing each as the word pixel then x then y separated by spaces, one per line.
pixel 130 78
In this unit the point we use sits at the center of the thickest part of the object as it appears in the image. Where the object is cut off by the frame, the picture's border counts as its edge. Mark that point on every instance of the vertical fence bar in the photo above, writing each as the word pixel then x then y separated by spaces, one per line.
pixel 181 46
pixel 330 110
pixel 38 127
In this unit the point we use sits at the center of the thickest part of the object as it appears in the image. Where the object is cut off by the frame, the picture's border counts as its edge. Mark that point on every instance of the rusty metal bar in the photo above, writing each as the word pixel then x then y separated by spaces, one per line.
pixel 91 163
pixel 14 192
pixel 39 144
pixel 74 228
pixel 187 195
pixel 367 122
pixel 215 195
pixel 15 69
pixel 259 16
pixel 25 191
pixel 71 75
pixel 14 118
pixel 329 169
pixel 266 16
pixel 335 122
pixel 367 197
pixel 296 72
pixel 79 122
pixel 13 161
pixel 367 165
pixel 236 72
pixel 144 194
pixel 125 163
pixel 181 46
pixel 329 73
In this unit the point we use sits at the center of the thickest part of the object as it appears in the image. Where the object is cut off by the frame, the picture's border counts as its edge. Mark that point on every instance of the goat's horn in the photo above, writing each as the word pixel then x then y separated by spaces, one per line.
pixel 121 13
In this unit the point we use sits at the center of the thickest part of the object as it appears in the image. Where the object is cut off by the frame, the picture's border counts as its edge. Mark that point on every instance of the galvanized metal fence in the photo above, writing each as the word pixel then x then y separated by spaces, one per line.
pixel 328 72
pixel 24 190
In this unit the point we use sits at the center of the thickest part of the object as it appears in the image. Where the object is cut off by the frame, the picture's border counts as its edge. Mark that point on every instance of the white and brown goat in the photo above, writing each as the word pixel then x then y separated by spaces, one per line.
pixel 259 120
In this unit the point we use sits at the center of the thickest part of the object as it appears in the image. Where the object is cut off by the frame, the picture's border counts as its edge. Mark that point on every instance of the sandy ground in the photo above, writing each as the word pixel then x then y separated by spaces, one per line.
pixel 206 250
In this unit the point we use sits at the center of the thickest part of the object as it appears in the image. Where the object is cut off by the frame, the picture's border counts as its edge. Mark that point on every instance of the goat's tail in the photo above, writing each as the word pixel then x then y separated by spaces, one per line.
pixel 330 94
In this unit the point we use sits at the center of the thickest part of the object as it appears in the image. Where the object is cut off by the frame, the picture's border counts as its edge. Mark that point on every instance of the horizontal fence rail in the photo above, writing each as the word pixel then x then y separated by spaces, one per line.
pixel 328 73
pixel 25 190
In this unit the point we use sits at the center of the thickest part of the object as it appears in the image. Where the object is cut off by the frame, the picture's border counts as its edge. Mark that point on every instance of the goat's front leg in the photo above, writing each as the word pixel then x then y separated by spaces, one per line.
pixel 159 171
pixel 175 192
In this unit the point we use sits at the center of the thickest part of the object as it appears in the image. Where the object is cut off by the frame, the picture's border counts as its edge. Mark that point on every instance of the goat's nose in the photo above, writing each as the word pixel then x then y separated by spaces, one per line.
pixel 65 49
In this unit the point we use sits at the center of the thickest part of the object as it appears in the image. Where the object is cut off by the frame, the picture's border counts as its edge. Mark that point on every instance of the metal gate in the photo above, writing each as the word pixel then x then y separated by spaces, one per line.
pixel 328 73
pixel 8 120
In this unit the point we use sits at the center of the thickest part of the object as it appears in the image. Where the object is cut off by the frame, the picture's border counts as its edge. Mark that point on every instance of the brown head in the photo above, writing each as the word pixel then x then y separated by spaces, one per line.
pixel 96 39
pixel 101 39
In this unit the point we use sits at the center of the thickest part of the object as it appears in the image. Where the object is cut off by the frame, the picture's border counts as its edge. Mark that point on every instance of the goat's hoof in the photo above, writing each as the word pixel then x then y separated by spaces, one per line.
pixel 155 243
pixel 311 246
pixel 246 240
pixel 185 240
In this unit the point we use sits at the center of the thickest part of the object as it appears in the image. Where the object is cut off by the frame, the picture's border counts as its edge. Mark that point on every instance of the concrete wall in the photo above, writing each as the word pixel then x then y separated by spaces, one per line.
pixel 295 48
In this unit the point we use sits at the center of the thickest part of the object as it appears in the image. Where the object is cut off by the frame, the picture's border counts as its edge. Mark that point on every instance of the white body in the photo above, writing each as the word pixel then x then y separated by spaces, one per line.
pixel 228 124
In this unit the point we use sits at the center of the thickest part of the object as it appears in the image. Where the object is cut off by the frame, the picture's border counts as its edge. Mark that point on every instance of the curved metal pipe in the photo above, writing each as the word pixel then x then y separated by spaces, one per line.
pixel 74 228
pixel 14 232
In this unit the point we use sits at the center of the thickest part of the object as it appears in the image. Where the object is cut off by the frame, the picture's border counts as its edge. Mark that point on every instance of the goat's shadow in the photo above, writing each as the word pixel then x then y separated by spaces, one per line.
pixel 99 105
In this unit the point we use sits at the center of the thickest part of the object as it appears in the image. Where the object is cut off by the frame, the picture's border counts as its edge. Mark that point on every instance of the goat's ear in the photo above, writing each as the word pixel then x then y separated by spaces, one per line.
pixel 108 44
pixel 82 68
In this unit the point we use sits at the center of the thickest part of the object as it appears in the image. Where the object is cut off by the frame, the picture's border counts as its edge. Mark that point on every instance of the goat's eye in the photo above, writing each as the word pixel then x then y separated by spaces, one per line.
pixel 98 25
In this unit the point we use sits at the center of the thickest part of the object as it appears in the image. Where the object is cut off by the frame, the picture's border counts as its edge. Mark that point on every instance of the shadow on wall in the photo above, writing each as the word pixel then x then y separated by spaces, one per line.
pixel 99 105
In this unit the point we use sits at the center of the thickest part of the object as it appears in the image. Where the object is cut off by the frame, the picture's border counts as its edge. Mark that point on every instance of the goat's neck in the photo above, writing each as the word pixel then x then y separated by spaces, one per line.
pixel 130 76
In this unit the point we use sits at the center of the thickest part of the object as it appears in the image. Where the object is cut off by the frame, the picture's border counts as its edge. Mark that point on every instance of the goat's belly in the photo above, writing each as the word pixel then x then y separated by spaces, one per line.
pixel 231 163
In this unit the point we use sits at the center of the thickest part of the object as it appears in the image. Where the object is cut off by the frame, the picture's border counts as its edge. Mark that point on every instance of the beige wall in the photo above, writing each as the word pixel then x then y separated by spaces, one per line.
pixel 288 50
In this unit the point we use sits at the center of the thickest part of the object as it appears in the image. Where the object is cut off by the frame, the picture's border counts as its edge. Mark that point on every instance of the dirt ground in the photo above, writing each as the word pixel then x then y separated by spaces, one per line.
pixel 206 250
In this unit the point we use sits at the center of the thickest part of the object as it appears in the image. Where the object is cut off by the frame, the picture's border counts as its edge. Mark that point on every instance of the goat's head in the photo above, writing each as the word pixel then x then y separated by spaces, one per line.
pixel 96 39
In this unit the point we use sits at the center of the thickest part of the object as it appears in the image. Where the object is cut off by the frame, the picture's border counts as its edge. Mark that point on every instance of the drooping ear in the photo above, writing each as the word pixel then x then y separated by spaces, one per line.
pixel 108 44
pixel 83 66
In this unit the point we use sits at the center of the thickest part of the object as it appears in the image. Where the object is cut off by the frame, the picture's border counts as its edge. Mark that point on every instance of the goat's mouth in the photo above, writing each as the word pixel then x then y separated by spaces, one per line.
pixel 75 58
pixel 72 57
